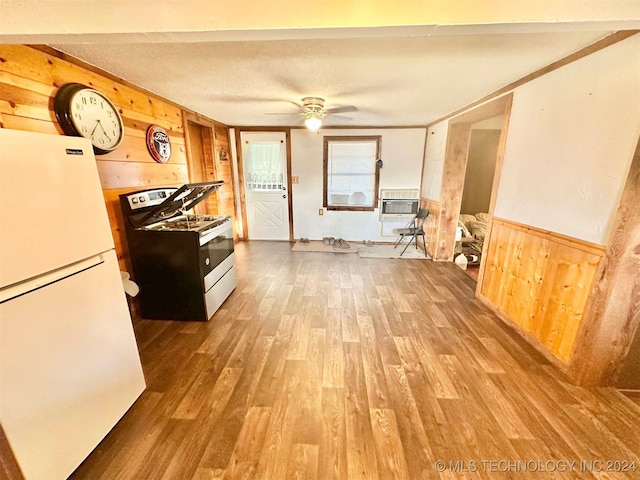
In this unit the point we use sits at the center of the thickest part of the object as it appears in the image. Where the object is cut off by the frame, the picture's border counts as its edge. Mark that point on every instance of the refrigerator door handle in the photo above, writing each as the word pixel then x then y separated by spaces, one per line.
pixel 48 278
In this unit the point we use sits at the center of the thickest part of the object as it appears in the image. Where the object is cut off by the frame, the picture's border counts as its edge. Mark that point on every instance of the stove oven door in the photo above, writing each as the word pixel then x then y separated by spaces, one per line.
pixel 216 245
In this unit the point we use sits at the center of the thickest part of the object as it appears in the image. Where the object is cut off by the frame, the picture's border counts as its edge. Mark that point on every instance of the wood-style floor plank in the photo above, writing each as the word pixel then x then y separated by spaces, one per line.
pixel 327 366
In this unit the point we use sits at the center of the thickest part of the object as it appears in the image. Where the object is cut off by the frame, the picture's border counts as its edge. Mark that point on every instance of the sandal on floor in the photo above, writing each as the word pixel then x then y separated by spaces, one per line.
pixel 304 241
pixel 328 241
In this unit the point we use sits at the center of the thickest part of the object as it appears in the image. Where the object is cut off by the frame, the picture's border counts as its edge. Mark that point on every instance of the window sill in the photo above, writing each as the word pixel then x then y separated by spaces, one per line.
pixel 347 208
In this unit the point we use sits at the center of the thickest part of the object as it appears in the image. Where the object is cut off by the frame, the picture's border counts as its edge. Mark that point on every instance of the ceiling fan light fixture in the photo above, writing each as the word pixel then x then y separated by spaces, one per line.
pixel 313 122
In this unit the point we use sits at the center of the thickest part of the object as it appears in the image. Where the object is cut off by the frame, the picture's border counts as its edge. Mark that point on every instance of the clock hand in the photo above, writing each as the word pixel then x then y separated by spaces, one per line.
pixel 94 129
pixel 105 132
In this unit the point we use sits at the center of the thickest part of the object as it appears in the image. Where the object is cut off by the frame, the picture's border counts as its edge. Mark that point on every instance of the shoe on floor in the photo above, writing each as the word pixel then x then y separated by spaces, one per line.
pixel 341 244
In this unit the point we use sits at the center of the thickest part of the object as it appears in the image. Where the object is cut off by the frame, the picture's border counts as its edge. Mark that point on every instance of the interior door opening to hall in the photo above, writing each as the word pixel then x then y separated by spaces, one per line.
pixel 264 162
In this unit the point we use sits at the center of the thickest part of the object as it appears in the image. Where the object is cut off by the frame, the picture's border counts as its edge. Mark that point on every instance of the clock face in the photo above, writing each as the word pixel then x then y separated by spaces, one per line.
pixel 85 112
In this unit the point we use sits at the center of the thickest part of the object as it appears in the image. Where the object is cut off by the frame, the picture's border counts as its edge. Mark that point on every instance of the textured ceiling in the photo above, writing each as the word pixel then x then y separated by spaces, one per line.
pixel 392 81
pixel 398 62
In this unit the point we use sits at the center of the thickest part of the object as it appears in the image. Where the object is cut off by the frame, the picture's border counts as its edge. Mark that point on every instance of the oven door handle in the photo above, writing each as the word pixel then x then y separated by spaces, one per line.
pixel 214 232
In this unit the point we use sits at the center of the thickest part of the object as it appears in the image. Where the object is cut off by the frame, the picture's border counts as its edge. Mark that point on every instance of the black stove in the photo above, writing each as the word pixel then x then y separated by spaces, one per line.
pixel 183 262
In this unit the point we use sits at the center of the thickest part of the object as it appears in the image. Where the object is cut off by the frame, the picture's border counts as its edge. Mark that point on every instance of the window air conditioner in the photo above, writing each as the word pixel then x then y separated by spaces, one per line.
pixel 398 205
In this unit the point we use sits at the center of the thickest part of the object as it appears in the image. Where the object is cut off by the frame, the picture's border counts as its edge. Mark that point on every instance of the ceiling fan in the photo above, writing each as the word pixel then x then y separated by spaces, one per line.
pixel 314 112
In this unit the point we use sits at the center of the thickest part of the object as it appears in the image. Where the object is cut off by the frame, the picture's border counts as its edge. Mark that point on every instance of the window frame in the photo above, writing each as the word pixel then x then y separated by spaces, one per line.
pixel 325 167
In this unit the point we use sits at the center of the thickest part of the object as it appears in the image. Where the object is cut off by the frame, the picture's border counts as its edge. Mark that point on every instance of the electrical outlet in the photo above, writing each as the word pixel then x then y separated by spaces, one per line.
pixel 295 180
pixel 321 211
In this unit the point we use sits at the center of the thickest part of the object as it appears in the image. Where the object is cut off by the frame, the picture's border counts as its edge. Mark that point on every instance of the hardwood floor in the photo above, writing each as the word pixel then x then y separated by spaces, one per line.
pixel 329 366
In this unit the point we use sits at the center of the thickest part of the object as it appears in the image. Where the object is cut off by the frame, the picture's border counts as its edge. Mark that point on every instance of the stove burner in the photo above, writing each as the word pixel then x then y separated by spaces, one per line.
pixel 190 223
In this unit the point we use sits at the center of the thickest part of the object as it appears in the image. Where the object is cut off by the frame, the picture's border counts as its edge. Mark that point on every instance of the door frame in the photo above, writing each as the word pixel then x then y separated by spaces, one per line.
pixel 455 165
pixel 241 182
pixel 210 144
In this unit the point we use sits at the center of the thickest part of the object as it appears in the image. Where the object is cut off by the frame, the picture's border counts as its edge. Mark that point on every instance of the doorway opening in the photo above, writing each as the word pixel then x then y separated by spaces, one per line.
pixel 476 194
pixel 201 163
pixel 455 170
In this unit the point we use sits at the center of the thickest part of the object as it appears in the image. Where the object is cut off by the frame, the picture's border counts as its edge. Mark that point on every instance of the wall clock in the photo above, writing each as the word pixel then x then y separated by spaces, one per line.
pixel 85 112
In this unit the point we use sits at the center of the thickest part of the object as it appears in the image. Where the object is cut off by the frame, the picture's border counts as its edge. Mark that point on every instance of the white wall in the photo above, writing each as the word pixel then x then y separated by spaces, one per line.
pixel 402 153
pixel 571 139
pixel 434 161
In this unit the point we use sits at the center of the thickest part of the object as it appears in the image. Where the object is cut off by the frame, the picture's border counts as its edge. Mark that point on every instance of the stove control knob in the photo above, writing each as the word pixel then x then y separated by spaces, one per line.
pixel 142 199
pixel 207 261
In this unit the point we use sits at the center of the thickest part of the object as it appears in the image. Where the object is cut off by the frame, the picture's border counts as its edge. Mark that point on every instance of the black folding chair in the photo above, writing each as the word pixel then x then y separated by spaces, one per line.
pixel 414 231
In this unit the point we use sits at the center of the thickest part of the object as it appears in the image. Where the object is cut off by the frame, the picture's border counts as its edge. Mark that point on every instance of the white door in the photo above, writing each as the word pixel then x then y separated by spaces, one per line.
pixel 264 161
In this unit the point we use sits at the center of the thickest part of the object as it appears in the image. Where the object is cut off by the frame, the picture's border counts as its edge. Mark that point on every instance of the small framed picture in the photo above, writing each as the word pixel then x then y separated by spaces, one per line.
pixel 158 144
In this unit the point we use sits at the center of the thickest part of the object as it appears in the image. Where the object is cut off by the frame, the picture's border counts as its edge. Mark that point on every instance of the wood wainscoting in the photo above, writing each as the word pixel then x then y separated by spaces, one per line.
pixel 541 281
pixel 432 223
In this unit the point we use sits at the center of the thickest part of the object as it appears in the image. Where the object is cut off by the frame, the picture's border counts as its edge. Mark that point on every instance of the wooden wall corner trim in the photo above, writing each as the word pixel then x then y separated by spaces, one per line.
pixel 9 468
pixel 432 223
pixel 613 313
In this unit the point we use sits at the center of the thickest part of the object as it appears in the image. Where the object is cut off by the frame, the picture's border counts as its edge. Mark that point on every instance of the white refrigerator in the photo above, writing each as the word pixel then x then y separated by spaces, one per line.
pixel 69 363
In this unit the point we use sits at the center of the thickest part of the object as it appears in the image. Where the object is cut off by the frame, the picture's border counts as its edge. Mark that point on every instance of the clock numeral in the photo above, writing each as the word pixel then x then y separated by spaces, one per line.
pixel 79 106
pixel 101 140
pixel 84 100
pixel 84 129
pixel 78 116
pixel 114 123
pixel 93 100
pixel 110 113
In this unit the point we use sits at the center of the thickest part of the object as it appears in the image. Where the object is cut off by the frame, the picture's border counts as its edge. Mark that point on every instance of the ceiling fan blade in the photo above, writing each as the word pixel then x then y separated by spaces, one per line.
pixel 346 108
pixel 283 113
pixel 340 116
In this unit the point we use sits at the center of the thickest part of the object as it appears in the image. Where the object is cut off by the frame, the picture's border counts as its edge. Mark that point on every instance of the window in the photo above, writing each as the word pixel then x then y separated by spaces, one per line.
pixel 350 174
pixel 263 167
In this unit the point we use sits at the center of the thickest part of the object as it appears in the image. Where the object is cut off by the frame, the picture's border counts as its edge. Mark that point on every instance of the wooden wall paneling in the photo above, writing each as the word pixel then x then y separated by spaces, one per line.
pixel 134 148
pixel 20 101
pixel 210 167
pixel 613 314
pixel 541 281
pixel 50 70
pixel 30 77
pixel 15 122
pixel 194 134
pixel 224 170
pixel 141 174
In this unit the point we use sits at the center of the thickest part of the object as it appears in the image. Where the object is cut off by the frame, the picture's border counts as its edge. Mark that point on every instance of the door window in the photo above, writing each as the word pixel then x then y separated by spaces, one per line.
pixel 264 167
